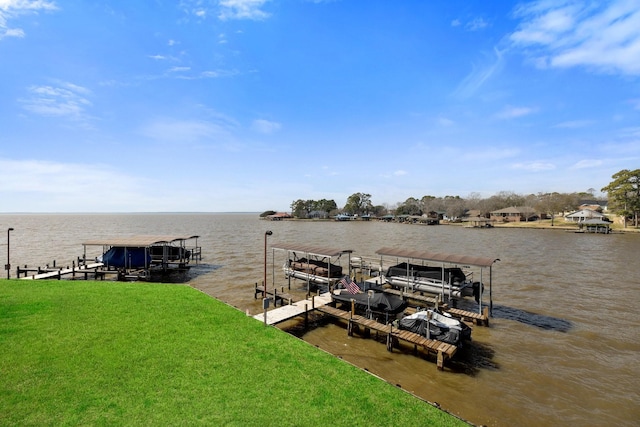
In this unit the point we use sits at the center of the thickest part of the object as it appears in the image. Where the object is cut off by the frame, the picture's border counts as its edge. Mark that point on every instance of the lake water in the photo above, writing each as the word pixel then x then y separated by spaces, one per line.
pixel 562 349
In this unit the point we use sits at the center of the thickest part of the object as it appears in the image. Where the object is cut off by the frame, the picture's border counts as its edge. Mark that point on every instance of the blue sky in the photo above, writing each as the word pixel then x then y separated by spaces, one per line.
pixel 248 105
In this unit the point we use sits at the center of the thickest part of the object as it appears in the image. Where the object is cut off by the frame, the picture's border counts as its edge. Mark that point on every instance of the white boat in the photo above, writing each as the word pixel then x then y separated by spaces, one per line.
pixel 315 265
pixel 313 271
pixel 441 327
pixel 451 281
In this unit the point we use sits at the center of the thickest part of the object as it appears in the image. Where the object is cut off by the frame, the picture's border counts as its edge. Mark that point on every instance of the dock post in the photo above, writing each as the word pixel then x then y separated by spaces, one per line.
pixel 440 361
pixel 306 317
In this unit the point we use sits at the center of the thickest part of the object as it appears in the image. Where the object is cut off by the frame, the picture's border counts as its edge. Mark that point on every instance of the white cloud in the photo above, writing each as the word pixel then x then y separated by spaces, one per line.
pixel 476 24
pixel 574 124
pixel 265 126
pixel 603 36
pixel 174 130
pixel 400 173
pixel 511 112
pixel 479 75
pixel 179 69
pixel 11 9
pixel 536 166
pixel 242 9
pixel 66 100
pixel 50 177
pixel 588 163
pixel 443 121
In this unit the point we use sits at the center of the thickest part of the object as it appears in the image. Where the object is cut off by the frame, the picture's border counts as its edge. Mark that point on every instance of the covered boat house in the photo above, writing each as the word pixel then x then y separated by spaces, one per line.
pixel 317 266
pixel 151 258
pixel 446 260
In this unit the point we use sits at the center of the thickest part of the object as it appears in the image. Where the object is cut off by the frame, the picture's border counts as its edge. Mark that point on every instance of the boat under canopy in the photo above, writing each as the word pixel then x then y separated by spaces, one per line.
pixel 369 299
pixel 140 256
pixel 446 260
pixel 437 326
pixel 313 264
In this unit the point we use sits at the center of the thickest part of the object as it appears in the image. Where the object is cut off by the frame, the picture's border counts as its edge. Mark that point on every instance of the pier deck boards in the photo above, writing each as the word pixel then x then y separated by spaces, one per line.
pixel 294 309
pixel 59 272
pixel 470 316
pixel 442 350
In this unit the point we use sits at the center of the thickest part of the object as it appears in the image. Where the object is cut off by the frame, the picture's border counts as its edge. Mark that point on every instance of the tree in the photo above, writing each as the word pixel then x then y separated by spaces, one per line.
pixel 325 205
pixel 301 208
pixel 624 194
pixel 454 206
pixel 358 204
pixel 411 206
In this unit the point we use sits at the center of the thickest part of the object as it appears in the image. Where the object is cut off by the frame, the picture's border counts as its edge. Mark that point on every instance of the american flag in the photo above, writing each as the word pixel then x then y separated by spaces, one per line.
pixel 350 285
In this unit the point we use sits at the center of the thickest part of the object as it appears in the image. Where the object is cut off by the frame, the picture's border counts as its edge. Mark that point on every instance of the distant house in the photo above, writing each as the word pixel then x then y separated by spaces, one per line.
pixel 594 205
pixel 514 214
pixel 475 213
pixel 279 216
pixel 584 215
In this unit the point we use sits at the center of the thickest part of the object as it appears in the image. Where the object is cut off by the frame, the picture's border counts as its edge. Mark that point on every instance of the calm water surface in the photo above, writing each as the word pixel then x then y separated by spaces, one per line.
pixel 563 344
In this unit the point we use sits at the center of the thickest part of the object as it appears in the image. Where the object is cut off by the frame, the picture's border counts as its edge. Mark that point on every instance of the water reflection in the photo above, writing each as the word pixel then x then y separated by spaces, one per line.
pixel 532 319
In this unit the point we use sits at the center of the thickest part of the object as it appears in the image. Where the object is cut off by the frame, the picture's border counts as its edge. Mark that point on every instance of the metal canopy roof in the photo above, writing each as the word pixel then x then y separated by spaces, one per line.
pixel 311 250
pixel 440 257
pixel 137 241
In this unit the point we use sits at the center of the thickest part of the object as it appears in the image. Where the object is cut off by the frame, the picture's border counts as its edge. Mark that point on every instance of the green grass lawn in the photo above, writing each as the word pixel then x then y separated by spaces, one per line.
pixel 110 353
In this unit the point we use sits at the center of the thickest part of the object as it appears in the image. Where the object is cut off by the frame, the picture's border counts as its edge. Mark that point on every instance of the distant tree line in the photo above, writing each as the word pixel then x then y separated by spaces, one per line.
pixel 452 206
pixel 623 198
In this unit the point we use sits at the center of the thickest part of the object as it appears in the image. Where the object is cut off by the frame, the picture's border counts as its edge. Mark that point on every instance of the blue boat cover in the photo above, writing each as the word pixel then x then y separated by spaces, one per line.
pixel 126 257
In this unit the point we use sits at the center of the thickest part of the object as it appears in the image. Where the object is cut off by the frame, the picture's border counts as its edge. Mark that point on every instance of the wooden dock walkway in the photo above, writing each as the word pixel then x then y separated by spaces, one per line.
pixel 442 350
pixel 470 316
pixel 57 273
pixel 297 308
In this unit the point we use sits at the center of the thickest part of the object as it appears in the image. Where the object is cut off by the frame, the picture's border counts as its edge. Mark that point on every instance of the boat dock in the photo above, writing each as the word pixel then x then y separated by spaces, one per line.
pixel 321 303
pixel 276 296
pixel 432 301
pixel 442 350
pixel 294 309
pixel 480 319
pixel 96 269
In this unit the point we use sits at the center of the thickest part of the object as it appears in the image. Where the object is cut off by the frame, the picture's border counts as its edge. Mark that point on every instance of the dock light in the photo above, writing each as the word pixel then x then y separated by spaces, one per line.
pixel 264 287
pixel 8 266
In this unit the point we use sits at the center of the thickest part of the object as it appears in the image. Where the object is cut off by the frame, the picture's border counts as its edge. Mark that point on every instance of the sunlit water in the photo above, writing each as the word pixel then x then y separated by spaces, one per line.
pixel 564 340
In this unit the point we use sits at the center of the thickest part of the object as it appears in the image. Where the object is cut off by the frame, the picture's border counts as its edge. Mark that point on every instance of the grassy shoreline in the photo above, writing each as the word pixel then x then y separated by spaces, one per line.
pixel 84 352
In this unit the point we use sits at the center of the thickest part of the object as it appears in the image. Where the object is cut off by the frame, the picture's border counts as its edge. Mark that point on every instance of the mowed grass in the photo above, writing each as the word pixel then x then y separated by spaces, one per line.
pixel 109 353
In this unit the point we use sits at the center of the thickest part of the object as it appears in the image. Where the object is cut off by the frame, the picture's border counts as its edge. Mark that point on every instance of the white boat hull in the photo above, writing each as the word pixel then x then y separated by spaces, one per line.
pixel 308 277
pixel 431 286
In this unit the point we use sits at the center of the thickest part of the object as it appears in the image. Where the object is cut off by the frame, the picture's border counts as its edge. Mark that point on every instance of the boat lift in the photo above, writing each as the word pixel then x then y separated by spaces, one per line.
pixel 456 260
pixel 307 251
pixel 154 253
